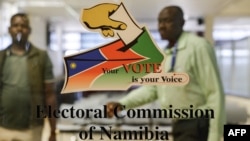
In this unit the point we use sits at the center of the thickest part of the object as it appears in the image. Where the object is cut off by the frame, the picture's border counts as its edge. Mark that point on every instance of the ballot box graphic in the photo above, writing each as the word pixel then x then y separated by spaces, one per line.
pixel 121 63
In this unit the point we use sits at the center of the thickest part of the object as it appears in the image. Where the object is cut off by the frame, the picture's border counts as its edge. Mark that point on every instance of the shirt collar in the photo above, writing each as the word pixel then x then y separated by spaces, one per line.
pixel 27 48
pixel 181 43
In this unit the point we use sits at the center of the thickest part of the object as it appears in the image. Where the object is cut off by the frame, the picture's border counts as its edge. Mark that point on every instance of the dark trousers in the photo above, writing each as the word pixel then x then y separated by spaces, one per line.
pixel 191 130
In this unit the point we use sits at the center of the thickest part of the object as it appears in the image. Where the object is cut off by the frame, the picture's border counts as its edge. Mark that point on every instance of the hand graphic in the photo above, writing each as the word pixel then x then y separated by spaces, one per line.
pixel 98 17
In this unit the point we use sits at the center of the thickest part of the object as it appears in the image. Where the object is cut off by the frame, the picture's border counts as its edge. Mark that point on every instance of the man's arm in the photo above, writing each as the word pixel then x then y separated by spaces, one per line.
pixel 139 97
pixel 50 99
pixel 50 95
pixel 209 78
pixel 135 98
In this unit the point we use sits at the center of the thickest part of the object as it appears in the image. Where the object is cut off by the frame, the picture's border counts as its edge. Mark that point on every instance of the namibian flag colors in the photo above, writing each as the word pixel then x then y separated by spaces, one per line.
pixel 103 68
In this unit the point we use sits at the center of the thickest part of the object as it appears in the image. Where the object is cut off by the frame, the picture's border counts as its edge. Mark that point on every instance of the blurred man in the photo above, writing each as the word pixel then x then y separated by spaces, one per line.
pixel 193 55
pixel 26 81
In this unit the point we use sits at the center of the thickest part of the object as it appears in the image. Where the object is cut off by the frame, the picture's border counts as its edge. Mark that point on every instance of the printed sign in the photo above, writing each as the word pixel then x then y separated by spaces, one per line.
pixel 131 59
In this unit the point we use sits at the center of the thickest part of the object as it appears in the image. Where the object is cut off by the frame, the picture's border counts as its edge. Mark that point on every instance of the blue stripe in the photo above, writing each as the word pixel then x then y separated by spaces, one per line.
pixel 83 61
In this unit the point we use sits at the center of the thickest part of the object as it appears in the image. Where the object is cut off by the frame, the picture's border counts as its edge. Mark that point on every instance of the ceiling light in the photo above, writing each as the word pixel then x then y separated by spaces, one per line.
pixel 40 3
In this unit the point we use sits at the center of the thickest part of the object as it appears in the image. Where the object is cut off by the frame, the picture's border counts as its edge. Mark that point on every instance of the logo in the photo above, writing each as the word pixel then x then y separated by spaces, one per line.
pixel 236 132
pixel 131 59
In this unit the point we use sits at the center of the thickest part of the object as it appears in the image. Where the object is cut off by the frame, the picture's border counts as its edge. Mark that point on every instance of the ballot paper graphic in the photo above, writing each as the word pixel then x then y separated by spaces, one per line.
pixel 131 59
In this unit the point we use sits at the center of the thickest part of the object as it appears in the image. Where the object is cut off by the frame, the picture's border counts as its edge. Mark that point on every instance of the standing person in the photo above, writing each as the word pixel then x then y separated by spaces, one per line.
pixel 193 55
pixel 26 81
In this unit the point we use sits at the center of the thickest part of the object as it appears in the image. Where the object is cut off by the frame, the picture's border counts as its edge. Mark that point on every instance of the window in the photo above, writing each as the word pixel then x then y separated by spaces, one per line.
pixel 5 40
pixel 234 63
pixel 73 42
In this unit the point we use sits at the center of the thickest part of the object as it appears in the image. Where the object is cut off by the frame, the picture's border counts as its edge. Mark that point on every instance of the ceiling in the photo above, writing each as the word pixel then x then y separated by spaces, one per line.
pixel 225 11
